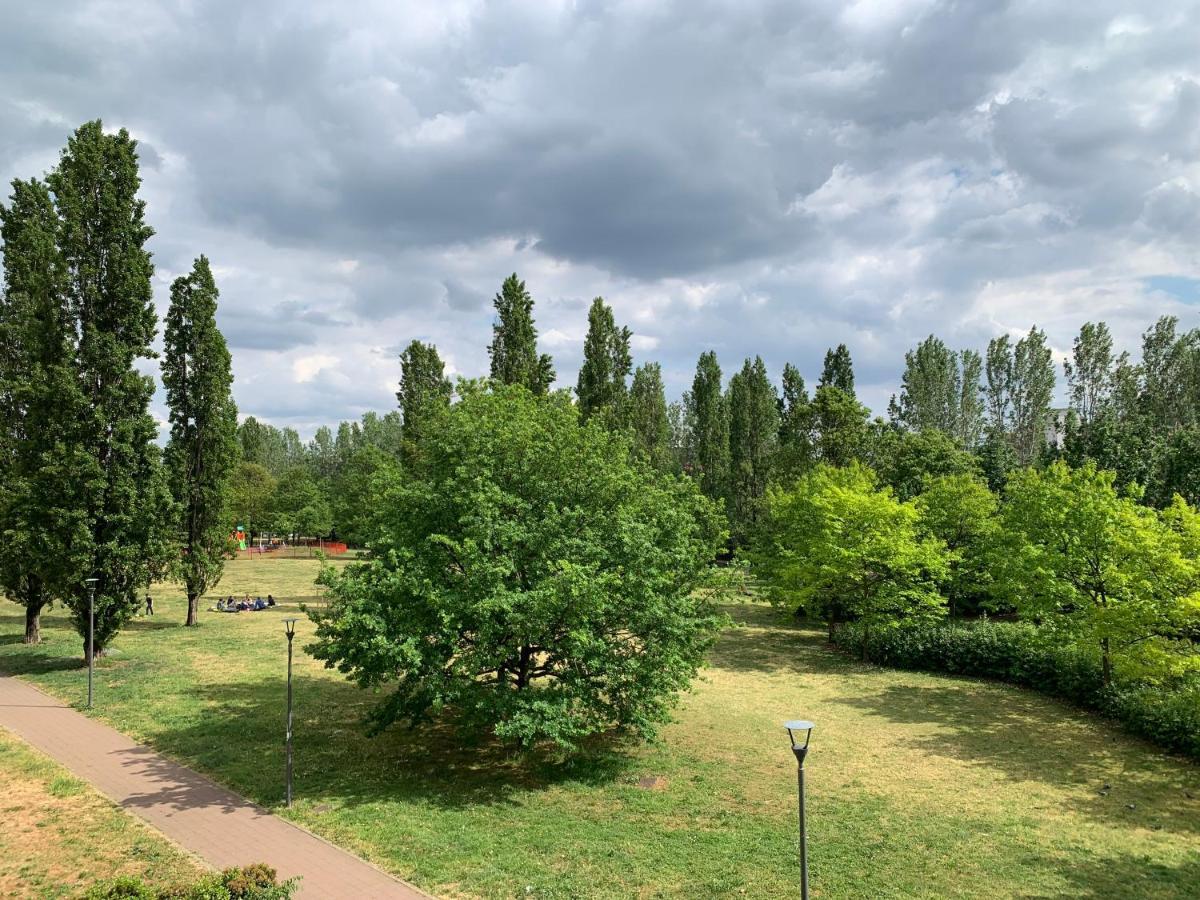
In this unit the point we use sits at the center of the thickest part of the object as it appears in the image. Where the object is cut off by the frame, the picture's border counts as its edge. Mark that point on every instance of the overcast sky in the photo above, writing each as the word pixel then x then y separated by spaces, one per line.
pixel 750 178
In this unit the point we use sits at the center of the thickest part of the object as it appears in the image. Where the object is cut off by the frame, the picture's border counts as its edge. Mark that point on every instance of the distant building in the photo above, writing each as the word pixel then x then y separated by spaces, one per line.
pixel 1056 427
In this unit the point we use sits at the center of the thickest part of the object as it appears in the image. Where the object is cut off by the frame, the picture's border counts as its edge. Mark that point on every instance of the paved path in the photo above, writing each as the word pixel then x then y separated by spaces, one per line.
pixel 199 815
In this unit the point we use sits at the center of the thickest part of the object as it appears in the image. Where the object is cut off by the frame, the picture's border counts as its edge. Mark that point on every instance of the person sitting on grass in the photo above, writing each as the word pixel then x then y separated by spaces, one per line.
pixel 259 604
pixel 220 605
pixel 270 600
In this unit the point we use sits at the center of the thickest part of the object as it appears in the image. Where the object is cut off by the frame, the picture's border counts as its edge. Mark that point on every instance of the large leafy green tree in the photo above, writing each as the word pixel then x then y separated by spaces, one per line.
pixel 648 417
pixel 837 546
pixel 300 507
pixel 42 525
pixel 707 415
pixel 425 390
pixel 602 388
pixel 514 354
pixel 251 492
pixel 121 489
pixel 1097 565
pixel 839 425
pixel 499 585
pixel 753 439
pixel 201 452
pixel 961 511
pixel 359 488
pixel 905 460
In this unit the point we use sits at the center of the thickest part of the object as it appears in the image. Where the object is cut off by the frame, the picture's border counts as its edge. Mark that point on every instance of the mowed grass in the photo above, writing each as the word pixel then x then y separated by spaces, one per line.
pixel 919 786
pixel 59 836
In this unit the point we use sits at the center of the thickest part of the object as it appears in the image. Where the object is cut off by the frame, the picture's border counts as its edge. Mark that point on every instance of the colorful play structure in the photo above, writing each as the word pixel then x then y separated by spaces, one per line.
pixel 276 547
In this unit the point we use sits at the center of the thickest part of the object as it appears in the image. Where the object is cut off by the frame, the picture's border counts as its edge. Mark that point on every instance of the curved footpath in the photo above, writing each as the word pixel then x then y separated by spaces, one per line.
pixel 201 816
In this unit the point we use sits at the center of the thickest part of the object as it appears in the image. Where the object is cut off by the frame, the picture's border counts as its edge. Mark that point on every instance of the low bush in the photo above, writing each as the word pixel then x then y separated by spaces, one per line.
pixel 253 882
pixel 1020 653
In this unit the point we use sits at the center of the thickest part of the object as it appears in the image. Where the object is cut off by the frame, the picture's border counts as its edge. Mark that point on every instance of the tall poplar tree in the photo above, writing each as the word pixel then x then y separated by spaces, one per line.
pixel 102 237
pixel 940 390
pixel 795 425
pixel 838 370
pixel 424 389
pixel 708 417
pixel 513 350
pixel 1020 388
pixel 648 417
pixel 40 408
pixel 602 388
pixel 203 448
pixel 753 438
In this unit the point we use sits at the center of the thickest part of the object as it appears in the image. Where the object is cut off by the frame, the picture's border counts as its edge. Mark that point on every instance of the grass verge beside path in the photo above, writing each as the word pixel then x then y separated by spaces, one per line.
pixel 919 785
pixel 60 836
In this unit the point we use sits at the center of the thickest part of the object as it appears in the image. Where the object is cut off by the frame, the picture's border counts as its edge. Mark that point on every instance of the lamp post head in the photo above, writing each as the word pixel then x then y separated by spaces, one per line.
pixel 793 727
pixel 289 627
pixel 91 583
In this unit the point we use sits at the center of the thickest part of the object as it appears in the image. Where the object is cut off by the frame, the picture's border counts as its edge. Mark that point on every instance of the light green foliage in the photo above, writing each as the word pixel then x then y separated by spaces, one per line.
pixel 530 576
pixel 203 444
pixel 940 390
pixel 648 417
pixel 602 389
pixel 753 439
pixel 424 393
pixel 300 507
pixel 838 370
pixel 250 495
pixel 838 546
pixel 121 488
pixel 707 415
pixel 513 350
pixel 840 424
pixel 960 510
pixel 1098 565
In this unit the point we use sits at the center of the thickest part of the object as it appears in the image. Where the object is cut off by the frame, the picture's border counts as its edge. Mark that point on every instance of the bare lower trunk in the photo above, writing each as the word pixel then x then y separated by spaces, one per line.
pixel 99 651
pixel 193 608
pixel 33 625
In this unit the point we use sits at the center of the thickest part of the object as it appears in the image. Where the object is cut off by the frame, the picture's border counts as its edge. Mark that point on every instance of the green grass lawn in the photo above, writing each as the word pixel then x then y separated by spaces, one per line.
pixel 919 785
pixel 59 836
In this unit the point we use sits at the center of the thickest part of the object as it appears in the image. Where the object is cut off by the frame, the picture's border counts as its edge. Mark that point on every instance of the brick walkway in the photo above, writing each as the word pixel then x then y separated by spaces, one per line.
pixel 215 824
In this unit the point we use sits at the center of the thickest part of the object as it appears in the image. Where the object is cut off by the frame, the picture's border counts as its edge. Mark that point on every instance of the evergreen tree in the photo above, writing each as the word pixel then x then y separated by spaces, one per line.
pixel 203 445
pixel 838 370
pixel 424 390
pixel 708 416
pixel 123 494
pixel 753 438
pixel 606 363
pixel 40 408
pixel 513 350
pixel 795 425
pixel 648 416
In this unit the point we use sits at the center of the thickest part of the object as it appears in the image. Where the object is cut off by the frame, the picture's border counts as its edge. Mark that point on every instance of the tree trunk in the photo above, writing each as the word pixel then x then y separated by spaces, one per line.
pixel 33 624
pixel 193 608
pixel 99 650
pixel 1106 663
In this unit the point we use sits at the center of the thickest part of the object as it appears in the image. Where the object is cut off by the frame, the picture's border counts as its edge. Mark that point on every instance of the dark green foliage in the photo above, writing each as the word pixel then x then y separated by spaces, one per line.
pixel 300 506
pixel 513 350
pixel 42 529
pixel 940 391
pixel 906 460
pixel 795 452
pixel 358 493
pixel 203 444
pixel 250 495
pixel 648 417
pixel 1020 653
pixel 840 424
pixel 601 389
pixel 1020 386
pixel 257 881
pixel 424 393
pixel 753 438
pixel 838 370
pixel 707 416
pixel 501 584
pixel 120 487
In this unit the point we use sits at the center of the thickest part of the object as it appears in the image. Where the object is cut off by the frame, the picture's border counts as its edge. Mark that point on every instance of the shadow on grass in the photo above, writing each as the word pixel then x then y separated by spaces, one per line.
pixel 1104 879
pixel 33 661
pixel 763 639
pixel 1033 738
pixel 239 740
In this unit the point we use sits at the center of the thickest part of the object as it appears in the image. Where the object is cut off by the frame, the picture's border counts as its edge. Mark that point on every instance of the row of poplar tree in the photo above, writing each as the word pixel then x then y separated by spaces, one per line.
pixel 91 507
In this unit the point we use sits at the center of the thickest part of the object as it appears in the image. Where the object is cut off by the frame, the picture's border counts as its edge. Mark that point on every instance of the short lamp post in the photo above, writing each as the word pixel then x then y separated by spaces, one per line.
pixel 91 586
pixel 801 750
pixel 289 628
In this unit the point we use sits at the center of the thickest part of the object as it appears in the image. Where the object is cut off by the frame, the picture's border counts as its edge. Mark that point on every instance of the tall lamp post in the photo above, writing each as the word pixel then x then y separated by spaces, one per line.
pixel 289 628
pixel 91 586
pixel 801 750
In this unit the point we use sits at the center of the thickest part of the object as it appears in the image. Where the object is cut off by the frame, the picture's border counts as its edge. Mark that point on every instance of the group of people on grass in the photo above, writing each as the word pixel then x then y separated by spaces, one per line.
pixel 244 605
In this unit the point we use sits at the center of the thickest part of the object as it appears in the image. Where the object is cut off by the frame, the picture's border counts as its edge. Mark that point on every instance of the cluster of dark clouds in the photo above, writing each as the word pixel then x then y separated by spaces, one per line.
pixel 766 178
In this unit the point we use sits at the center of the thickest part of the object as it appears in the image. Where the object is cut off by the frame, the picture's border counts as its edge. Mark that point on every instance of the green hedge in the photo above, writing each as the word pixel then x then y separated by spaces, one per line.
pixel 253 882
pixel 1020 654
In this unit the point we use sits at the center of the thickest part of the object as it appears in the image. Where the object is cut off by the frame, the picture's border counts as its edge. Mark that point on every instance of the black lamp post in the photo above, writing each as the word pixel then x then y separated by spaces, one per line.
pixel 91 586
pixel 801 750
pixel 289 628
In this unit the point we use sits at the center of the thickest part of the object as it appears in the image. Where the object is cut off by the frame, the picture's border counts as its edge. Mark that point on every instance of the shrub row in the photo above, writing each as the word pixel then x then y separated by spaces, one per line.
pixel 253 882
pixel 1019 653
